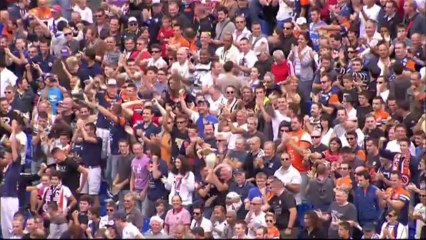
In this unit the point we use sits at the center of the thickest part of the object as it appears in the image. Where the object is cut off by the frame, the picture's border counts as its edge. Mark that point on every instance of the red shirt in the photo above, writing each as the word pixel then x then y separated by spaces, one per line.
pixel 163 37
pixel 281 71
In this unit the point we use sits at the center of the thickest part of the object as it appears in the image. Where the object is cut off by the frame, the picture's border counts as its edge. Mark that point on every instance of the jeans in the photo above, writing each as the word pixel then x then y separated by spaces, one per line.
pixel 112 168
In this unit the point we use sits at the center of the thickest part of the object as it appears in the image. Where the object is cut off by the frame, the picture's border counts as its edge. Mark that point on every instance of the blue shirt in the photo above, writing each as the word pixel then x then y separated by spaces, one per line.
pixel 10 180
pixel 105 101
pixel 156 189
pixel 91 153
pixel 45 64
pixel 54 95
pixel 116 133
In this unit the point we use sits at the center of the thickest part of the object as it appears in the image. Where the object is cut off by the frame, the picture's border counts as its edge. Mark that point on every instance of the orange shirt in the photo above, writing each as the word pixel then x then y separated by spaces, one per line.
pixel 43 14
pixel 361 154
pixel 344 182
pixel 273 232
pixel 300 139
pixel 183 42
pixel 381 115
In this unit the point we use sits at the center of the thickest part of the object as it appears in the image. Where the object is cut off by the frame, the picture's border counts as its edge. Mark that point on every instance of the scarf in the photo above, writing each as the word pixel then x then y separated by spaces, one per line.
pixel 401 163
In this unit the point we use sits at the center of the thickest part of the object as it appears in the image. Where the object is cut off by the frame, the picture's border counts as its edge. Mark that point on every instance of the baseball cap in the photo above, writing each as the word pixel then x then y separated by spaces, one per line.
pixel 345 13
pixel 64 52
pixel 132 19
pixel 238 171
pixel 155 2
pixel 120 214
pixel 301 21
pixel 112 82
pixel 110 223
pixel 369 227
pixel 56 8
pixel 50 76
pixel 386 154
pixel 232 195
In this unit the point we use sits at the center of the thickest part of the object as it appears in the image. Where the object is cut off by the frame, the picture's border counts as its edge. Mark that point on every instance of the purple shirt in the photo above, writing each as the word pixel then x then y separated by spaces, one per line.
pixel 139 168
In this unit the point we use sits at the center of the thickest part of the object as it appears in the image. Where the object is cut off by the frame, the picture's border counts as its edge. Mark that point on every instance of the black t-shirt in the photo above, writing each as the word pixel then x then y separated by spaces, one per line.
pixel 125 169
pixel 409 121
pixel 361 112
pixel 7 118
pixel 180 141
pixel 280 206
pixel 70 174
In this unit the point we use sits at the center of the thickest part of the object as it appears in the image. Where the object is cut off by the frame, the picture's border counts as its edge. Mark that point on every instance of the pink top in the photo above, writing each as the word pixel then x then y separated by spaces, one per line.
pixel 173 219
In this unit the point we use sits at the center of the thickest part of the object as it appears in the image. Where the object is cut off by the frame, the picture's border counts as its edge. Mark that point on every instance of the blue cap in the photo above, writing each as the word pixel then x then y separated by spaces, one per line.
pixel 369 227
pixel 345 12
pixel 64 52
pixel 386 154
pixel 120 214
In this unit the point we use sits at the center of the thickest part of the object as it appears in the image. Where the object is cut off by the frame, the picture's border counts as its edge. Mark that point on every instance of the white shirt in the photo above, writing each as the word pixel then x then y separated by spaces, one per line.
pixel 181 69
pixel 206 224
pixel 214 105
pixel 22 139
pixel 7 78
pixel 419 209
pixel 393 146
pixel 284 11
pixel 220 228
pixel 290 176
pixel 259 45
pixel 372 13
pixel 233 138
pixel 244 34
pixel 257 221
pixel 159 63
pixel 247 60
pixel 130 231
pixel 56 21
pixel 230 55
pixel 180 185
pixel 276 121
pixel 86 13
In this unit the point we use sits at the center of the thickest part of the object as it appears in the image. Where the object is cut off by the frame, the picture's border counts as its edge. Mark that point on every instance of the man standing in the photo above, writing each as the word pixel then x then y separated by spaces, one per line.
pixel 9 196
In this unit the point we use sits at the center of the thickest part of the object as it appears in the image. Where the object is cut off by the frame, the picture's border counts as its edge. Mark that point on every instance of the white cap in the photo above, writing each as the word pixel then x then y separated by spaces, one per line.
pixel 301 21
pixel 155 2
pixel 232 195
pixel 132 19
pixel 112 82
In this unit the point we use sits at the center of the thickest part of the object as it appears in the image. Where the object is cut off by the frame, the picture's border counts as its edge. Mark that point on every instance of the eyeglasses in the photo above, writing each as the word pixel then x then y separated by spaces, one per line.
pixel 230 92
pixel 67 34
pixel 315 136
pixel 285 159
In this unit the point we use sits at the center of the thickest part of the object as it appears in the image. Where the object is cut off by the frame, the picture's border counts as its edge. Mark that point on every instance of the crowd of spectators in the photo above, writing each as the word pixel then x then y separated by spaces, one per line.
pixel 215 119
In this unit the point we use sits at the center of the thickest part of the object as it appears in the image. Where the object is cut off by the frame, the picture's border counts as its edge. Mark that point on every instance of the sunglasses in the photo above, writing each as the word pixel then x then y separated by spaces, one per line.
pixel 269 221
pixel 350 138
pixel 196 213
pixel 323 82
pixel 287 28
pixel 239 22
pixel 7 92
pixel 230 92
pixel 110 210
pixel 155 51
pixel 284 130
pixel 67 34
pixel 379 82
pixel 340 168
pixel 390 215
pixel 171 59
pixel 285 159
pixel 315 136
pixel 133 24
pixel 99 15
